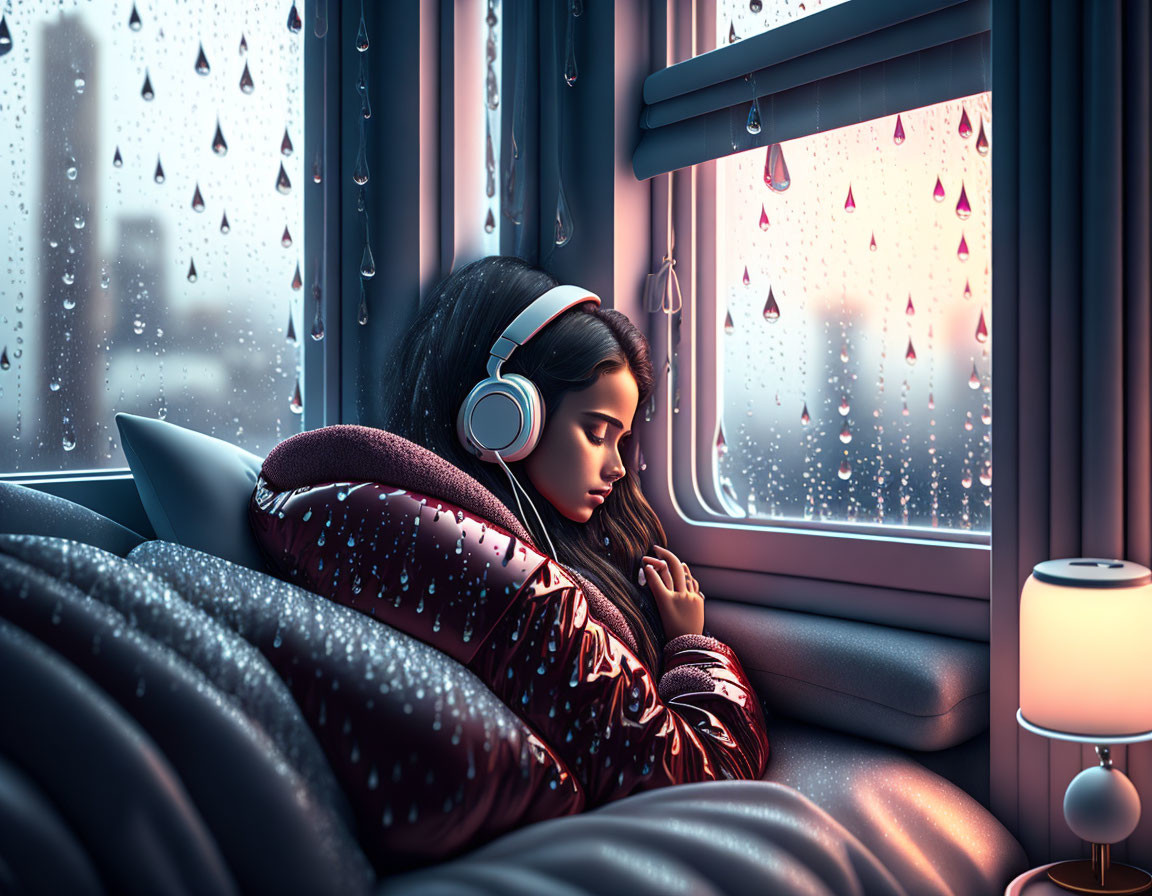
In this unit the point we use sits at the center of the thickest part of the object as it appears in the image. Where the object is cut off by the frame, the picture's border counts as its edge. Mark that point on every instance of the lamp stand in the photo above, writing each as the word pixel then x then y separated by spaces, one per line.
pixel 1096 795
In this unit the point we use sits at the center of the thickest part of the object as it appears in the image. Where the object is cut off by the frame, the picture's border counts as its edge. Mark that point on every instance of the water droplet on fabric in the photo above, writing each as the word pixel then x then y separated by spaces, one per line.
pixel 898 134
pixel 146 91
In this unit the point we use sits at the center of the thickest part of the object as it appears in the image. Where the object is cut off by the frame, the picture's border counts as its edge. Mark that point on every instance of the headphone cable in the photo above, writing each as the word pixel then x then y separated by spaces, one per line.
pixel 519 507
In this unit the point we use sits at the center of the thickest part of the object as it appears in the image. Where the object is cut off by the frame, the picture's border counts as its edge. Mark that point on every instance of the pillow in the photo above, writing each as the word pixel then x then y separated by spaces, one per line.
pixel 28 511
pixel 194 488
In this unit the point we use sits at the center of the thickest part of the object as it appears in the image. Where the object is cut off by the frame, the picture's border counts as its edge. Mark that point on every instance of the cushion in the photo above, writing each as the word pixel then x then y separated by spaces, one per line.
pixel 910 689
pixel 194 488
pixel 431 760
pixel 28 511
pixel 267 822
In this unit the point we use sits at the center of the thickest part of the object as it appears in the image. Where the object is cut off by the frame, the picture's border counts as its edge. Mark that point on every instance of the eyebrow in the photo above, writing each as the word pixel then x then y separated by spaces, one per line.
pixel 608 419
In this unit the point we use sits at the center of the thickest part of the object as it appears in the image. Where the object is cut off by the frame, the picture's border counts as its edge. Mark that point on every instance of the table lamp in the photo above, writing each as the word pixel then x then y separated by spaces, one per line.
pixel 1085 676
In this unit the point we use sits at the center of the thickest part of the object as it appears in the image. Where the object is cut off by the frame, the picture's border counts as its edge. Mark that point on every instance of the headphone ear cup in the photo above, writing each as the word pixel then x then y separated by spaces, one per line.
pixel 505 415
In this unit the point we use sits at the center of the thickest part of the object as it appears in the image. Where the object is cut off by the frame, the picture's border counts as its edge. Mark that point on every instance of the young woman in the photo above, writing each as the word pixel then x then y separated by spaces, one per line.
pixel 615 677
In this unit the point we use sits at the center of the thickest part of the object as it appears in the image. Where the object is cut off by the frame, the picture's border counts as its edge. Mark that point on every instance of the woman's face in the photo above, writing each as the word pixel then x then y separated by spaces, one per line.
pixel 579 449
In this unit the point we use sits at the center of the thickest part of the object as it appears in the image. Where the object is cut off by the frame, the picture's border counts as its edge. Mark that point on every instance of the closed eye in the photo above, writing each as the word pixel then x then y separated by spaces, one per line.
pixel 596 440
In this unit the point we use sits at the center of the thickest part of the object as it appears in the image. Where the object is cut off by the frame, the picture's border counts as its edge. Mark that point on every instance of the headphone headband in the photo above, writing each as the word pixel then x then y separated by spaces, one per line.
pixel 533 319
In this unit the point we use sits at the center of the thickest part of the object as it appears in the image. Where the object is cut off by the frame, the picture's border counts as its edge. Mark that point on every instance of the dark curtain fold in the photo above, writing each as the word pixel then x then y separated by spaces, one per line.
pixel 1073 441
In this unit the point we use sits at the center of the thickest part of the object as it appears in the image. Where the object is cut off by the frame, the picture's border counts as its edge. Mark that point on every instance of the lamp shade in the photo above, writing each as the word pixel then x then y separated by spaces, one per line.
pixel 1085 627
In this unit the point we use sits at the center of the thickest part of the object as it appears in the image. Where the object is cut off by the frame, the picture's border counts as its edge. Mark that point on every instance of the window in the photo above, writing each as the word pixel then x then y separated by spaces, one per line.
pixel 855 343
pixel 813 324
pixel 155 230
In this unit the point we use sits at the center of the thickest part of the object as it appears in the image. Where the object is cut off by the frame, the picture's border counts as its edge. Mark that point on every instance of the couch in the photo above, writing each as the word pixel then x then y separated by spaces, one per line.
pixel 156 738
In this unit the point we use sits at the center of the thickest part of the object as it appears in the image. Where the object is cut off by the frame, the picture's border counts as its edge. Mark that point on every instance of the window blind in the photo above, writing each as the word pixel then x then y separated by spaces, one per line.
pixel 847 64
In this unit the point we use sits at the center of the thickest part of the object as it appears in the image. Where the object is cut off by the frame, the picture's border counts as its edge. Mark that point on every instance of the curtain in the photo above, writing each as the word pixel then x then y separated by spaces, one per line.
pixel 1072 440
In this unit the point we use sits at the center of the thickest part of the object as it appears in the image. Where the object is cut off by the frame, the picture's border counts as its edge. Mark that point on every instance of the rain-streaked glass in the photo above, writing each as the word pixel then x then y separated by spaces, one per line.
pixel 854 321
pixel 149 155
pixel 736 19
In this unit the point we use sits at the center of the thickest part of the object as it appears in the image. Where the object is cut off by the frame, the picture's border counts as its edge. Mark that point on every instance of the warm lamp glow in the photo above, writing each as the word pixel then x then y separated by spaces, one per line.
pixel 1084 668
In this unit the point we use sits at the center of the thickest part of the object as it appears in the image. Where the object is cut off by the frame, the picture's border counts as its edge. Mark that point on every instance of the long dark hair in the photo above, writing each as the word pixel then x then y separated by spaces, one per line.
pixel 445 353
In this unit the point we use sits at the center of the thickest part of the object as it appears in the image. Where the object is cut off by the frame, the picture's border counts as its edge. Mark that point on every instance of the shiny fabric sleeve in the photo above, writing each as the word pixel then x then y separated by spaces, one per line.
pixel 575 682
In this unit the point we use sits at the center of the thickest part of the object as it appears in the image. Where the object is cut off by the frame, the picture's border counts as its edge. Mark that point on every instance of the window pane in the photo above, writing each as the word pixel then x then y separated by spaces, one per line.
pixel 154 227
pixel 736 19
pixel 854 322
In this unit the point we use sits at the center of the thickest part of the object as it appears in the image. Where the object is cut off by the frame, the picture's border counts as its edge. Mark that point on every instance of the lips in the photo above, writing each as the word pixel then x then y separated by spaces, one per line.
pixel 602 492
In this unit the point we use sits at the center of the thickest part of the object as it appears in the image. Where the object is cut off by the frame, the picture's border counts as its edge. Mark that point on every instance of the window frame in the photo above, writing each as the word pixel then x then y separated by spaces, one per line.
pixel 864 571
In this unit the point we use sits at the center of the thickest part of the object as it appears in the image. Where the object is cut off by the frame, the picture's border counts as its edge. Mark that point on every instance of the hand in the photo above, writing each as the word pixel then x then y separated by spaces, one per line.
pixel 678 597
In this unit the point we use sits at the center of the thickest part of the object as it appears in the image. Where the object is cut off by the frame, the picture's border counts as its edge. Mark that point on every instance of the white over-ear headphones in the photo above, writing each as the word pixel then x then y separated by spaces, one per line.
pixel 505 413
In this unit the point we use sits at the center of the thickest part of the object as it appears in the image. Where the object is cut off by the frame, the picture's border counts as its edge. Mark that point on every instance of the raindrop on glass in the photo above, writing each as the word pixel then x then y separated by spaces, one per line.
pixel 963 209
pixel 911 309
pixel 138 326
pixel 286 144
pixel 5 40
pixel 732 33
pixel 898 134
pixel 105 280
pixel 776 169
pixel 69 438
pixel 360 172
pixel 54 385
pixel 218 145
pixel 362 311
pixel 755 5
pixel 729 326
pixel 197 200
pixel 79 83
pixel 845 471
pixel 224 225
pixel 747 279
pixel 844 354
pixel 134 19
pixel 4 362
pixel 910 354
pixel 247 85
pixel 286 238
pixel 931 401
pixel 967 289
pixel 721 442
pixel 146 91
pixel 68 277
pixel 763 217
pixel 78 222
pixel 117 159
pixel 771 309
pixel 317 174
pixel 982 329
pixel 297 282
pixel 844 407
pixel 362 36
pixel 361 198
pixel 982 140
pixel 202 67
pixel 849 203
pixel 367 263
pixel 563 219
pixel 804 416
pixel 490 222
pixel 965 129
pixel 69 302
pixel 158 176
pixel 295 402
pixel 320 25
pixel 845 434
pixel 986 415
pixel 317 326
pixel 191 271
pixel 753 123
pixel 283 185
pixel 294 23
pixel 70 171
pixel 243 45
pixel 290 336
pixel 962 249
pixel 872 245
pixel 974 379
pixel 986 476
pixel 938 193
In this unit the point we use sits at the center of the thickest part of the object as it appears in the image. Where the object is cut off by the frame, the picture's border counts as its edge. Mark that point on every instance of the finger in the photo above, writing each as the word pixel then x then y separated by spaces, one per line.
pixel 665 574
pixel 652 577
pixel 676 568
